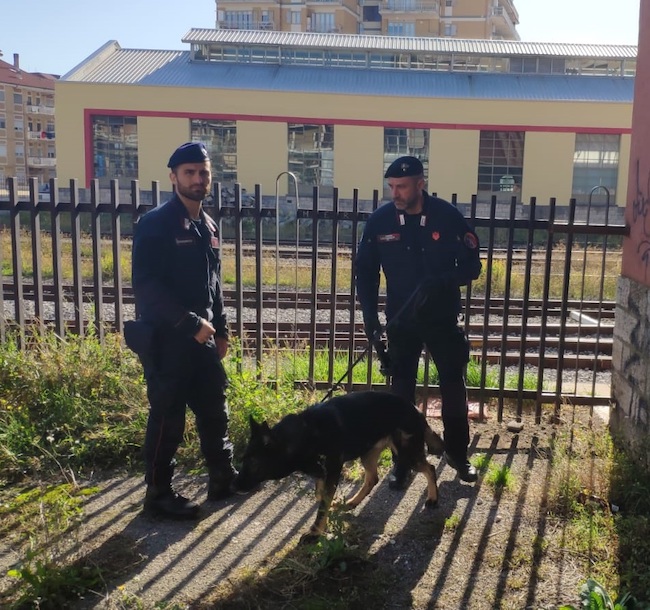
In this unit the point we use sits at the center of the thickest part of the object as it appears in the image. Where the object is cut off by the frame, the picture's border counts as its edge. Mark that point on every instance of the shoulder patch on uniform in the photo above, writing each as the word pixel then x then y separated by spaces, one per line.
pixel 388 237
pixel 470 240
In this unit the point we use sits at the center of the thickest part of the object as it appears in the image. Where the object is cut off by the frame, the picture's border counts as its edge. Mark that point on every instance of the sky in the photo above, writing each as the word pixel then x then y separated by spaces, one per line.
pixel 53 36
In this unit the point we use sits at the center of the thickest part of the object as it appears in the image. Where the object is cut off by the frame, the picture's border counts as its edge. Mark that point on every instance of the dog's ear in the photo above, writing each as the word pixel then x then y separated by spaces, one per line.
pixel 261 431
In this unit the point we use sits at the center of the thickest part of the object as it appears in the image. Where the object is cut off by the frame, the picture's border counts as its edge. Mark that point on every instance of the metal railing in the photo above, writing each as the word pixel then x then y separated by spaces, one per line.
pixel 540 317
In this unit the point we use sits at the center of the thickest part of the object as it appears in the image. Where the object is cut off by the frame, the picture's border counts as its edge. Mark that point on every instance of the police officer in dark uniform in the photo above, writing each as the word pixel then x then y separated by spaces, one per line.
pixel 181 334
pixel 426 250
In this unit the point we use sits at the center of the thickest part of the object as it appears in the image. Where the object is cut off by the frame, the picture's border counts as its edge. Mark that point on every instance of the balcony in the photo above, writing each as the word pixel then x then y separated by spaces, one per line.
pixel 41 162
pixel 502 23
pixel 510 8
pixel 337 29
pixel 410 6
pixel 49 110
pixel 246 25
pixel 40 135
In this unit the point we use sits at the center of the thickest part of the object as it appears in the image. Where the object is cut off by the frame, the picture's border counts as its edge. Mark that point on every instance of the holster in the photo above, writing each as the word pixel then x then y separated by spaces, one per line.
pixel 138 336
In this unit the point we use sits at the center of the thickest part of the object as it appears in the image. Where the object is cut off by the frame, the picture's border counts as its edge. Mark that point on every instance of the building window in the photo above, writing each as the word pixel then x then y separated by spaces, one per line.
pixel 220 139
pixel 311 156
pixel 450 29
pixel 3 122
pixel 3 149
pixel 398 28
pixel 115 149
pixel 401 5
pixel 238 20
pixel 322 22
pixel 500 164
pixel 267 21
pixel 371 13
pixel 294 17
pixel 401 141
pixel 18 99
pixel 595 163
pixel 2 94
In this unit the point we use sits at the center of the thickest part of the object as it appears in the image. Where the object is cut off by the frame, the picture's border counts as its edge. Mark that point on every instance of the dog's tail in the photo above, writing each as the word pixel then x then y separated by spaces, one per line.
pixel 435 444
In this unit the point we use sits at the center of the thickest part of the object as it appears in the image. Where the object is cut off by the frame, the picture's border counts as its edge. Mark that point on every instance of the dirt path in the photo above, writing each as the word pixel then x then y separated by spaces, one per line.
pixel 497 549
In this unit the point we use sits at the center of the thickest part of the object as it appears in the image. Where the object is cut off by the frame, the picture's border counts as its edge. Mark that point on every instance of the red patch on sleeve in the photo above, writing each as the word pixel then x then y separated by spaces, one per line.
pixel 471 241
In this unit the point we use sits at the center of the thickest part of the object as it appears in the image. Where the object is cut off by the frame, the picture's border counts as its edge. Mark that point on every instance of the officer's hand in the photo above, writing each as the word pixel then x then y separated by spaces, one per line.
pixel 205 332
pixel 222 346
pixel 372 328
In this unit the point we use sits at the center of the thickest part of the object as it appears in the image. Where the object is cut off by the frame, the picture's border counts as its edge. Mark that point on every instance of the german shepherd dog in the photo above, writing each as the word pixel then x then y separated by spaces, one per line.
pixel 321 438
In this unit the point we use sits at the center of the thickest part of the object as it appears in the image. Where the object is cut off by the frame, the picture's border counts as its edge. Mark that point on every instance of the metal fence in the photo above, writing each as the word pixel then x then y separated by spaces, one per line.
pixel 540 318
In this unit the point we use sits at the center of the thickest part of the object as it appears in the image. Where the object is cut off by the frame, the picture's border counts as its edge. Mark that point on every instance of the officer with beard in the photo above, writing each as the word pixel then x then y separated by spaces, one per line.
pixel 426 250
pixel 177 285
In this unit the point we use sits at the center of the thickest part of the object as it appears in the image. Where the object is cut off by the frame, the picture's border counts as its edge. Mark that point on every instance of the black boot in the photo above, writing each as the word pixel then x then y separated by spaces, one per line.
pixel 399 477
pixel 220 486
pixel 466 472
pixel 168 504
pixel 223 484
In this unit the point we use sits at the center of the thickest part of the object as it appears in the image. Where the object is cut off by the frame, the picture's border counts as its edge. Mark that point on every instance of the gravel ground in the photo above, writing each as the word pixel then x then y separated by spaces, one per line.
pixel 476 564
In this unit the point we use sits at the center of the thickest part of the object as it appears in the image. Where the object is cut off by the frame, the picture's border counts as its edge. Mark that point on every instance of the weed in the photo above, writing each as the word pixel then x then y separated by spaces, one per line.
pixel 452 522
pixel 481 461
pixel 36 519
pixel 499 477
pixel 594 596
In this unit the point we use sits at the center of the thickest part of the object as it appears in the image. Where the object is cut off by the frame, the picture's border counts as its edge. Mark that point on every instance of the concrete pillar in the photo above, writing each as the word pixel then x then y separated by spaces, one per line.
pixel 631 355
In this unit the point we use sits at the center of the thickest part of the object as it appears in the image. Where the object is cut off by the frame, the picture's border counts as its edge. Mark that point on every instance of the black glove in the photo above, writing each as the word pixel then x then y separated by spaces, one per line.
pixel 383 357
pixel 372 327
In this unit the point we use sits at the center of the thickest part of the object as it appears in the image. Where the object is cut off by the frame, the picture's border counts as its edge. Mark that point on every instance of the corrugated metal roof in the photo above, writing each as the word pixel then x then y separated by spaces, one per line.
pixel 113 64
pixel 403 43
pixel 174 69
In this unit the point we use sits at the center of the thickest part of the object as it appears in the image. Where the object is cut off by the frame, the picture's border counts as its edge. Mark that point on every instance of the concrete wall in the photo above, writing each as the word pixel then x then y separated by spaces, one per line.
pixel 631 356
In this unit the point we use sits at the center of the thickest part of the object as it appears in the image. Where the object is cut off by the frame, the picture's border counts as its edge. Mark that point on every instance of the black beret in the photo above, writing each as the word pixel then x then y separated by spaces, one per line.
pixel 190 152
pixel 404 166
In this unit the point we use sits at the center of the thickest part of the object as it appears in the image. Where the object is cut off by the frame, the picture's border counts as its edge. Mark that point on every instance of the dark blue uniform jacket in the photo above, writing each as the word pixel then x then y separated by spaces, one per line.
pixel 438 244
pixel 177 270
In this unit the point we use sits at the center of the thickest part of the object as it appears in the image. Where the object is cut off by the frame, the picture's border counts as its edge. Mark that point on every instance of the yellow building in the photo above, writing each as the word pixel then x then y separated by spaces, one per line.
pixel 486 19
pixel 487 118
pixel 27 134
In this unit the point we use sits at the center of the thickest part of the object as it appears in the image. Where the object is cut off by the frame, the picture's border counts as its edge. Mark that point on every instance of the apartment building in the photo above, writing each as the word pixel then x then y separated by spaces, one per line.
pixel 474 19
pixel 27 131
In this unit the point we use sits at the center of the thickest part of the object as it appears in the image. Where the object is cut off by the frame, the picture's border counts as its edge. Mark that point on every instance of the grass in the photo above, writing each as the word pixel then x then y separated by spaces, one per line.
pixel 73 406
pixel 589 275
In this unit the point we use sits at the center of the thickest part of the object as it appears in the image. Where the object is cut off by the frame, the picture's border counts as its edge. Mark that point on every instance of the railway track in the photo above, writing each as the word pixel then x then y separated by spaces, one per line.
pixel 583 344
pixel 301 300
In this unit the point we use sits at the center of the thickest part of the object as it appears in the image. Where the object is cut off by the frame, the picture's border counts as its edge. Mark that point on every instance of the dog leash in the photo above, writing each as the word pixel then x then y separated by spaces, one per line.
pixel 378 344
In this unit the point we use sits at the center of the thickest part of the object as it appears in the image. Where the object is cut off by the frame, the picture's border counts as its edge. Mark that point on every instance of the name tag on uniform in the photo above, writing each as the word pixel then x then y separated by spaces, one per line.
pixel 184 241
pixel 388 237
pixel 214 242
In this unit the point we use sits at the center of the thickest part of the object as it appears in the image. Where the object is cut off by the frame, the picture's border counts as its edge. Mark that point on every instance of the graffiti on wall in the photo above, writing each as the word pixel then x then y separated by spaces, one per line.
pixel 641 218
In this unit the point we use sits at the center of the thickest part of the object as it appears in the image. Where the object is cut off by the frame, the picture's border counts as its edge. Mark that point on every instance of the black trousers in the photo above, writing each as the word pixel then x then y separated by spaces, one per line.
pixel 182 373
pixel 449 349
